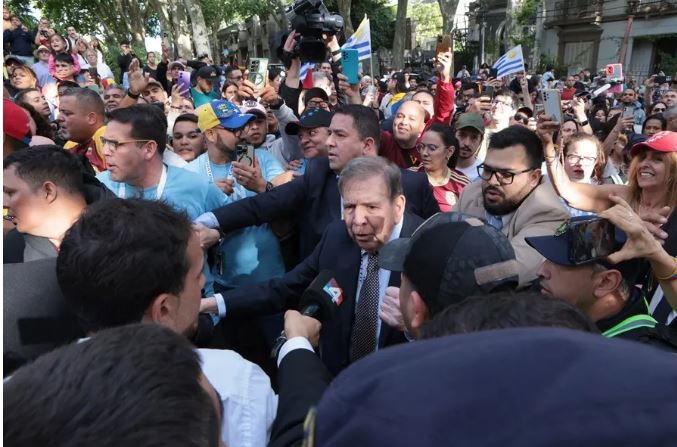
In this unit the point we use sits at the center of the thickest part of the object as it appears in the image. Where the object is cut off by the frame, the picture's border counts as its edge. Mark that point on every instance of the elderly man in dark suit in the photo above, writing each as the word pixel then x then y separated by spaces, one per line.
pixel 373 214
pixel 313 200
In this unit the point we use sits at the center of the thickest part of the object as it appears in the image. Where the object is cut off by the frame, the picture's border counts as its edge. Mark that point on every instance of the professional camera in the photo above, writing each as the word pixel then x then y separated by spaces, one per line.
pixel 311 19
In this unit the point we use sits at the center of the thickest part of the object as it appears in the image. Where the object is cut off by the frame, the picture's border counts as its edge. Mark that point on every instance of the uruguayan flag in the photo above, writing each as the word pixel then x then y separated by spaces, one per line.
pixel 511 62
pixel 305 68
pixel 360 40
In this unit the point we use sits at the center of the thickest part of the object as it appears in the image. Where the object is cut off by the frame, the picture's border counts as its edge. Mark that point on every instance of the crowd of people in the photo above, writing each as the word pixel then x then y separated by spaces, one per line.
pixel 488 273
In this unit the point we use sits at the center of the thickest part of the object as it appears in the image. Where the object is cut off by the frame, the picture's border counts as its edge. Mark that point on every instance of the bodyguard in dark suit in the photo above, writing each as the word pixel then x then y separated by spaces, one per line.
pixel 374 213
pixel 313 200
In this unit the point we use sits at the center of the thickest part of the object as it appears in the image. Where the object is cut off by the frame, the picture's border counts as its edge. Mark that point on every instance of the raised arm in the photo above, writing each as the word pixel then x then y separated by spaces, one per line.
pixel 586 197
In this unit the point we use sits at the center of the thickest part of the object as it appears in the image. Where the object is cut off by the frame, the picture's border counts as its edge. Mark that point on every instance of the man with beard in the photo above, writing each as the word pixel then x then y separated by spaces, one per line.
pixel 81 117
pixel 513 196
pixel 470 134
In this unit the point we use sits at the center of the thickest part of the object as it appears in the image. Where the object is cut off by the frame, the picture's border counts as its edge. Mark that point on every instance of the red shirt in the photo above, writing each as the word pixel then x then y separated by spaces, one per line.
pixel 447 195
pixel 404 158
pixel 568 94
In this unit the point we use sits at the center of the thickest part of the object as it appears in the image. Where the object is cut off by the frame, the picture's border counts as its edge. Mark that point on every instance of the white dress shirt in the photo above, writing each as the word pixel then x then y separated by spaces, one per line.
pixel 249 402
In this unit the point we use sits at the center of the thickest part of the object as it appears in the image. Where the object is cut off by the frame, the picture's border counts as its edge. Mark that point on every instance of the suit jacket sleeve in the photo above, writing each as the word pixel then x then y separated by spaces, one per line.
pixel 302 379
pixel 280 202
pixel 278 294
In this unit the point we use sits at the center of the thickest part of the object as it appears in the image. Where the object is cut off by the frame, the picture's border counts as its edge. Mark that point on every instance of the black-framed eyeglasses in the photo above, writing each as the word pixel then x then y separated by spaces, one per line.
pixel 503 176
pixel 521 118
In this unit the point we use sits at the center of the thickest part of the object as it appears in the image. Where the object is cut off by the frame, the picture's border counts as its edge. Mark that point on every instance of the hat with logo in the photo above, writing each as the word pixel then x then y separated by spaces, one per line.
pixel 221 113
pixel 253 107
pixel 576 245
pixel 452 256
pixel 207 72
pixel 15 122
pixel 311 118
pixel 473 120
pixel 665 141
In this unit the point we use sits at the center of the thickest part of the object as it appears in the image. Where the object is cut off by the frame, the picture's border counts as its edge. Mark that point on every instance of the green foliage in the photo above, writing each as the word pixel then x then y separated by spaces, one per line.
pixel 381 19
pixel 22 9
pixel 526 13
pixel 428 20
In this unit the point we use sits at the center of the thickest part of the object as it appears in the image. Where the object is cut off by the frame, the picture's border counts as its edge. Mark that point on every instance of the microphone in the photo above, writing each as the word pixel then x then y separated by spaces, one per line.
pixel 318 301
pixel 322 297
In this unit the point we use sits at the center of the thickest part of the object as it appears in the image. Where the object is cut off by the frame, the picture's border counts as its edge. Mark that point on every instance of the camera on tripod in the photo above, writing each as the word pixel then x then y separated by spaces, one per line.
pixel 311 19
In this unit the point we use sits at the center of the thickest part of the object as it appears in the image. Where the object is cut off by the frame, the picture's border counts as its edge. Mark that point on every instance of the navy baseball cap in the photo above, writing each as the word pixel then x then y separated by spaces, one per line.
pixel 558 249
pixel 310 119
pixel 452 256
pixel 509 387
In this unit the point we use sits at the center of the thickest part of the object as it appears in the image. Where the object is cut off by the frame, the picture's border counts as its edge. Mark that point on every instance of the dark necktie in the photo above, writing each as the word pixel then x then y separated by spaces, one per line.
pixel 363 339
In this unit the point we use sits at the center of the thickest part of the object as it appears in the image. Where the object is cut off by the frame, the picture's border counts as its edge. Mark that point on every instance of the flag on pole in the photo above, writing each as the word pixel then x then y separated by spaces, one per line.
pixel 511 62
pixel 305 69
pixel 360 40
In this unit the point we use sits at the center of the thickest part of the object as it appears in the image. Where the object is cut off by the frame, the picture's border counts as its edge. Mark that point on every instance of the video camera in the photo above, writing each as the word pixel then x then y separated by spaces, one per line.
pixel 311 19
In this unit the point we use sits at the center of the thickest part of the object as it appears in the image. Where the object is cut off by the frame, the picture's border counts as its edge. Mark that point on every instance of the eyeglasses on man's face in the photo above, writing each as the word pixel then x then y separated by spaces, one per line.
pixel 113 145
pixel 503 176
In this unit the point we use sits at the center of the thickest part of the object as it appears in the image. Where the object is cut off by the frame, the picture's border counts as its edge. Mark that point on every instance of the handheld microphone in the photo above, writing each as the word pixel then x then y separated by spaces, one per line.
pixel 318 301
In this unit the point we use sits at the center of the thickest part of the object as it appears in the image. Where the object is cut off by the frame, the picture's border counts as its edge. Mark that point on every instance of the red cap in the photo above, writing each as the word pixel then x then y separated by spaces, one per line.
pixel 15 122
pixel 665 141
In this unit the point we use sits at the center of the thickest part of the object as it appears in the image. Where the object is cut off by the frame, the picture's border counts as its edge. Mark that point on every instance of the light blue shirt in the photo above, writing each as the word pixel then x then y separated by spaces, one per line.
pixel 183 190
pixel 41 70
pixel 252 254
pixel 383 278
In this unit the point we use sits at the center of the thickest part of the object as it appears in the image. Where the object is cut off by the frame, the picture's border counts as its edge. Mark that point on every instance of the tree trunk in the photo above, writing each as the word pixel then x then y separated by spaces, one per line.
pixel 200 30
pixel 400 34
pixel 448 10
pixel 344 11
pixel 509 24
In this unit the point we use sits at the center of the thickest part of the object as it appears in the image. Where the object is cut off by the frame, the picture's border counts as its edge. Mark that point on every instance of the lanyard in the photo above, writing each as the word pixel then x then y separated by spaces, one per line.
pixel 122 189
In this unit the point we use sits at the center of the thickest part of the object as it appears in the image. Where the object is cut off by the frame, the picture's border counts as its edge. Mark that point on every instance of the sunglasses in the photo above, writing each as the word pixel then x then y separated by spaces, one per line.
pixel 521 118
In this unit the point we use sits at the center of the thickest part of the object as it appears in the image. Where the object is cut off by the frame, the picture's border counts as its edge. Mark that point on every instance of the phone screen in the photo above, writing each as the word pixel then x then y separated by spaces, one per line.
pixel 591 239
pixel 628 112
pixel 184 83
pixel 245 154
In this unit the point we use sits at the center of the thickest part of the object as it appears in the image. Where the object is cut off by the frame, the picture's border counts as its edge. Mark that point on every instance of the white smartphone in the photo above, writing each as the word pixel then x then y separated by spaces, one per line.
pixel 628 112
pixel 258 72
pixel 552 104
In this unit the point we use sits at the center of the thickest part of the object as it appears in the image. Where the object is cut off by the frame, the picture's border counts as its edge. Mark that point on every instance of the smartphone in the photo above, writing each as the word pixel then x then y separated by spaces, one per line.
pixel 443 44
pixel 245 154
pixel 488 91
pixel 349 65
pixel 583 94
pixel 184 83
pixel 591 239
pixel 628 112
pixel 493 72
pixel 660 80
pixel 552 104
pixel 258 72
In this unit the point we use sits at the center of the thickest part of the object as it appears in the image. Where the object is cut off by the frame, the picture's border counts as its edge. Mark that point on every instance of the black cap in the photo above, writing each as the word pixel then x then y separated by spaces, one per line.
pixel 315 92
pixel 207 72
pixel 310 119
pixel 450 257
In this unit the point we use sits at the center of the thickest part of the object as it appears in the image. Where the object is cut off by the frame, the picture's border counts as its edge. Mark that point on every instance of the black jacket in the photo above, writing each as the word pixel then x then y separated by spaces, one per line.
pixel 313 202
pixel 335 252
pixel 302 379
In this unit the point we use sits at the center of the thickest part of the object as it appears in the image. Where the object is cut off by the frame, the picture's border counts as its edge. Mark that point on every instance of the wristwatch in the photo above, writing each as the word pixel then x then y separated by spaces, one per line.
pixel 269 186
pixel 133 95
pixel 584 123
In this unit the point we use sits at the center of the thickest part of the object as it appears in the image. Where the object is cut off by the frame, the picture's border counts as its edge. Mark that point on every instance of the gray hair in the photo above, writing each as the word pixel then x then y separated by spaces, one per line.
pixel 361 168
pixel 623 287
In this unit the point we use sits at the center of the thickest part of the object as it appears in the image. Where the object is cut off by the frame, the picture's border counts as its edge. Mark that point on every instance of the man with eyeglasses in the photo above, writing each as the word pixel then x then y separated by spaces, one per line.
pixel 133 143
pixel 235 76
pixel 225 127
pixel 513 197
pixel 502 109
